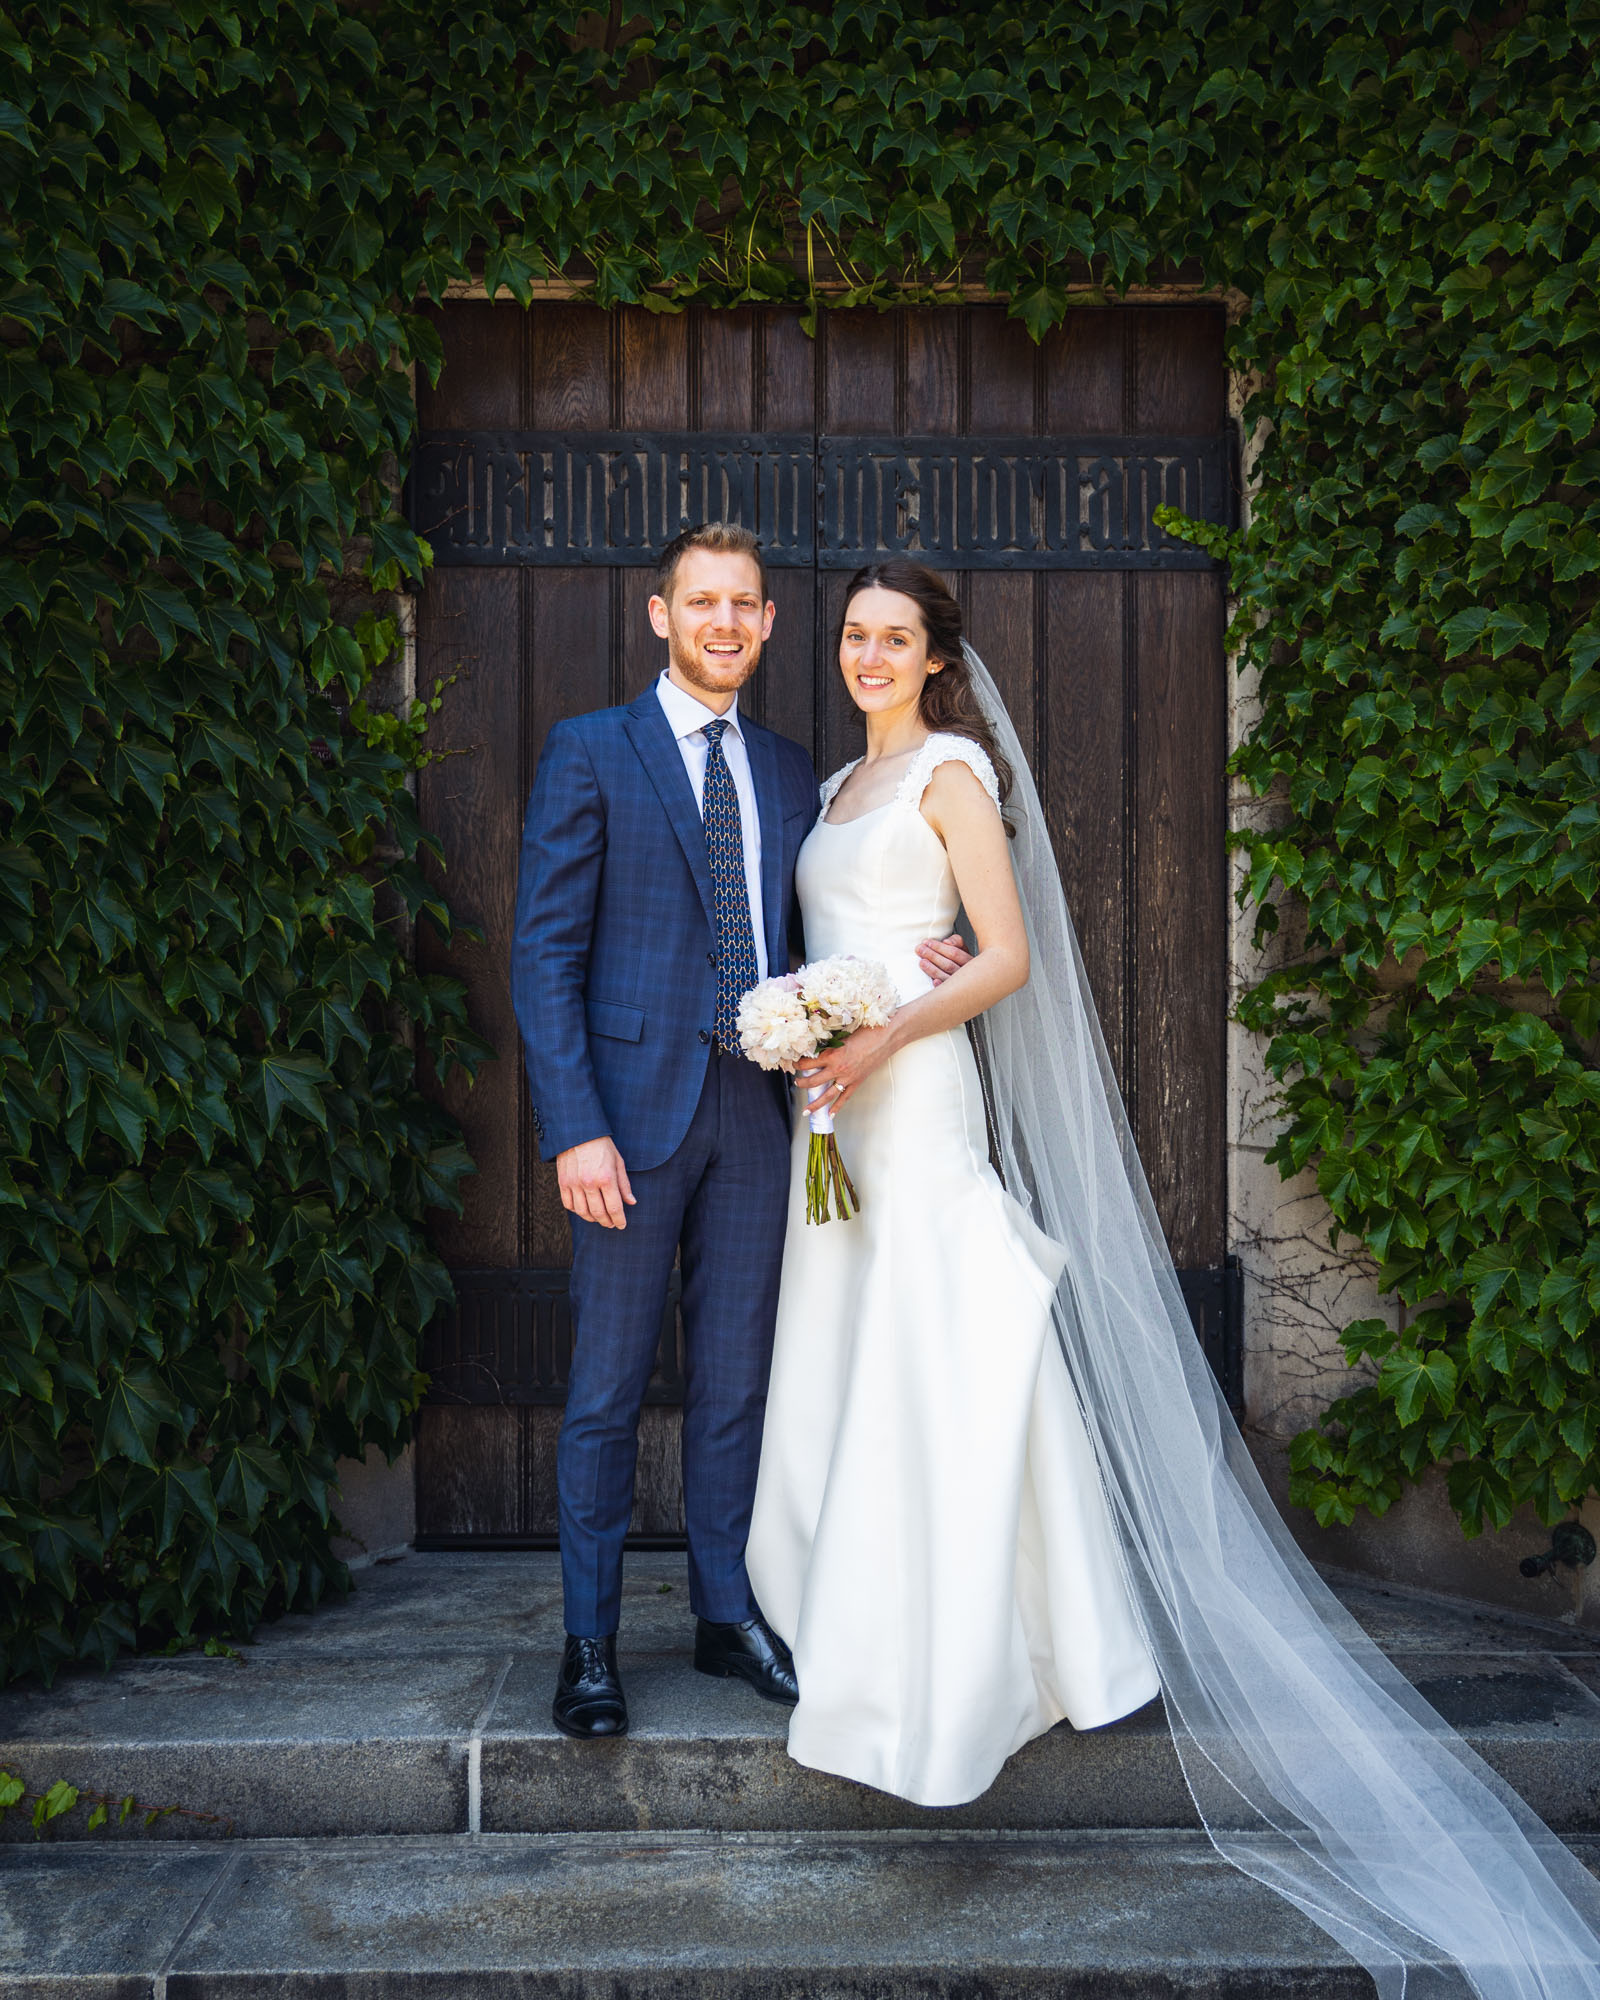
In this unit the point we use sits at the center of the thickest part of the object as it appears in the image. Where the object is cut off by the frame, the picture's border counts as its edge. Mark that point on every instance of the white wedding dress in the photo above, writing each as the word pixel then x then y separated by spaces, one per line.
pixel 930 1532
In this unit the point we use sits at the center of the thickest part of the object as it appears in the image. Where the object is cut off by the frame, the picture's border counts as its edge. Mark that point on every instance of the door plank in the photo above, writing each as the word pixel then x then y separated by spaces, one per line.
pixel 787 373
pixel 1001 608
pixel 1181 371
pixel 1085 360
pixel 859 358
pixel 1179 886
pixel 1181 910
pixel 792 676
pixel 1085 804
pixel 859 381
pixel 474 628
pixel 567 663
pixel 470 801
pixel 655 369
pixel 655 396
pixel 726 383
pixel 480 385
pixel 468 1463
pixel 569 386
pixel 1003 363
pixel 932 394
pixel 786 682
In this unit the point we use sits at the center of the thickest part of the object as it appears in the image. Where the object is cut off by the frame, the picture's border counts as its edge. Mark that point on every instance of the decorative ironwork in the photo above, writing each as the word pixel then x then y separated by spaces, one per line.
pixel 515 497
pixel 525 497
pixel 509 1338
pixel 1018 503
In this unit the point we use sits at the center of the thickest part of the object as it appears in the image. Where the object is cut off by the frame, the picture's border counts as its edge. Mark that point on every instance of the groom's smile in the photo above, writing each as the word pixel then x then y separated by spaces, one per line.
pixel 714 622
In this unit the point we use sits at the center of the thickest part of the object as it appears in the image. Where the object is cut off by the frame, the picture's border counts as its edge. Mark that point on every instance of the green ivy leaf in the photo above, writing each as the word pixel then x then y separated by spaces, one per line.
pixel 1414 1381
pixel 292 1080
pixel 128 1419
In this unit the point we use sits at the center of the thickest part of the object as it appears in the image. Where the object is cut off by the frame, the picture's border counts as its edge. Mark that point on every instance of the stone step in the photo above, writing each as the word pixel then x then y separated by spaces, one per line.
pixel 659 1916
pixel 422 1707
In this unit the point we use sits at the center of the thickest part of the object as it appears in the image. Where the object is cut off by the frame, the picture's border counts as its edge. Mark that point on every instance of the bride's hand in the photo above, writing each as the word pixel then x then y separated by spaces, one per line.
pixel 839 1072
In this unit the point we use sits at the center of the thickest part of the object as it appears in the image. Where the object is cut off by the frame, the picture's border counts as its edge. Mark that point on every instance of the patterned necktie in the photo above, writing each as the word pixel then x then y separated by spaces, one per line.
pixel 730 894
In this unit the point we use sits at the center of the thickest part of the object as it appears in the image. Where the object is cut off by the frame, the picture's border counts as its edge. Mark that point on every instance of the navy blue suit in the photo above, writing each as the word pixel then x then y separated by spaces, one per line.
pixel 614 976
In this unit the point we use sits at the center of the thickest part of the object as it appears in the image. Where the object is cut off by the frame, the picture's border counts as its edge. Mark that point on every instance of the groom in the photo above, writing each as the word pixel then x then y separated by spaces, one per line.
pixel 655 888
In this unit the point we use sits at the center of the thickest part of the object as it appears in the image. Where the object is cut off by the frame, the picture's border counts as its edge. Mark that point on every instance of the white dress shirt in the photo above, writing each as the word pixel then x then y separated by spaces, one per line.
pixel 686 718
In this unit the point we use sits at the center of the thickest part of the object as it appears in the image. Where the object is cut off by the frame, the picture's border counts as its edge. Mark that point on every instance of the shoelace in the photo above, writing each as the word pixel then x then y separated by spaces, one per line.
pixel 591 1661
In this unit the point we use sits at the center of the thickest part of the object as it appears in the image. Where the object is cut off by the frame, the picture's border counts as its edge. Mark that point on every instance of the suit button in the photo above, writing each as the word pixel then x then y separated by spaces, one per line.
pixel 711 958
pixel 705 1035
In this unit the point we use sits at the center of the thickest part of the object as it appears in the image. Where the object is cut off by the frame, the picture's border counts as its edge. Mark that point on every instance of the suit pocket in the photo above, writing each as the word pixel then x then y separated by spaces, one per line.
pixel 611 1017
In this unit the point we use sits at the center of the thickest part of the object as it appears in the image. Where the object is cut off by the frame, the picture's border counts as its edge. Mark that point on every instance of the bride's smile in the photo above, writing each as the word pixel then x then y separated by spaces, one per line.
pixel 883 655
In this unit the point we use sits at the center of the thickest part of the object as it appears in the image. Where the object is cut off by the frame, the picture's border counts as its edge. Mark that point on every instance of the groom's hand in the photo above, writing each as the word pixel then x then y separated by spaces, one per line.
pixel 594 1183
pixel 939 957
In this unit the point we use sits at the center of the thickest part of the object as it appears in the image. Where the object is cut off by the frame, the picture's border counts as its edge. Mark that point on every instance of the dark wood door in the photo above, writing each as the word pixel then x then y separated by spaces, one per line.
pixel 1109 655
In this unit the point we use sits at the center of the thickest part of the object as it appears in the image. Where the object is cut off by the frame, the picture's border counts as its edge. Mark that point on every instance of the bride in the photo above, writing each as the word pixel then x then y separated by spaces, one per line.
pixel 930 1533
pixel 998 1487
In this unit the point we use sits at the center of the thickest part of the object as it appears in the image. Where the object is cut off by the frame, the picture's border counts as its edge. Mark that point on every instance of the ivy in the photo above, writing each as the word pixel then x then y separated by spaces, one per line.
pixel 56 1800
pixel 215 232
pixel 1418 592
pixel 215 1159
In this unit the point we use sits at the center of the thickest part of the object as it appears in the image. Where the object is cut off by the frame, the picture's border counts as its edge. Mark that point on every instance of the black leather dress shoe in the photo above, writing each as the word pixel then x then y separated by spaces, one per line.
pixel 750 1652
pixel 588 1693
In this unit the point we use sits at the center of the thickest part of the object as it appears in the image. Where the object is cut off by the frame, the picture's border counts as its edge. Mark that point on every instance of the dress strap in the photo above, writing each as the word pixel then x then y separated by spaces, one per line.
pixel 831 785
pixel 941 748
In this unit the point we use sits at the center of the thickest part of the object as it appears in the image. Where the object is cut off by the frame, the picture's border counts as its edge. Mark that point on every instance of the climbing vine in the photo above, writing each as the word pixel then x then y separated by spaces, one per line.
pixel 214 1156
pixel 218 230
pixel 1419 594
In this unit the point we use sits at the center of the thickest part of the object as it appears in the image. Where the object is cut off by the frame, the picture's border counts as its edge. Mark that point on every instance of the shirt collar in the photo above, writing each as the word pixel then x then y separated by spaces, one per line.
pixel 685 714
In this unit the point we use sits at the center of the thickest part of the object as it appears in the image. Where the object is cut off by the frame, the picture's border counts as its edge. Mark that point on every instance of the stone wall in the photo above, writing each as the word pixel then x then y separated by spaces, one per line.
pixel 376 1507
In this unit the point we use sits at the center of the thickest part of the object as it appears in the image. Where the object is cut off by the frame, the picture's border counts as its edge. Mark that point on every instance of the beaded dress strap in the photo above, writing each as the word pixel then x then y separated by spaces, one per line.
pixel 945 749
pixel 830 786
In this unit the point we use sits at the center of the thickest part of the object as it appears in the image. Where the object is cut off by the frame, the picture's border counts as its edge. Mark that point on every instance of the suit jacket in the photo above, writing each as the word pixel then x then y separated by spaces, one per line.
pixel 614 960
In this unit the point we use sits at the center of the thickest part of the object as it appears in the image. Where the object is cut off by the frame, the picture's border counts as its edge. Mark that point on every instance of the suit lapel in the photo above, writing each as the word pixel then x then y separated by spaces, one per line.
pixel 652 737
pixel 764 776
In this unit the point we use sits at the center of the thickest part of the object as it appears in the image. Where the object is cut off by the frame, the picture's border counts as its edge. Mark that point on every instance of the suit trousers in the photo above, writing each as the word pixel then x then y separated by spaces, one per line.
pixel 720 1202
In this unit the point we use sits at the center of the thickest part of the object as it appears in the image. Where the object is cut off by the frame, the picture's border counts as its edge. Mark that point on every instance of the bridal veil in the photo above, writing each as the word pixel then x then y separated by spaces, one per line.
pixel 1314 1764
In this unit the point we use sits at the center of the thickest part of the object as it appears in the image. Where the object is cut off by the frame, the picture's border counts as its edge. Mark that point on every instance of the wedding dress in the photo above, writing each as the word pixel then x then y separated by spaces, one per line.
pixel 928 1501
pixel 1315 1766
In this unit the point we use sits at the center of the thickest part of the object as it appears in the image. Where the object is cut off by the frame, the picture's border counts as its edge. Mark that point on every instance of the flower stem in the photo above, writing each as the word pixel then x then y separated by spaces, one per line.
pixel 828 1186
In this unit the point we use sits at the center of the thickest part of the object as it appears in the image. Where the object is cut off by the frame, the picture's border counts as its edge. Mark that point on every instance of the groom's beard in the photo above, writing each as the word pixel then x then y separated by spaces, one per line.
pixel 708 680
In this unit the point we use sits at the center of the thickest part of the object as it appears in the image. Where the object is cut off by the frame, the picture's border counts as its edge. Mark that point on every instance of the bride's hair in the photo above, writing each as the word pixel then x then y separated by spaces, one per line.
pixel 949 702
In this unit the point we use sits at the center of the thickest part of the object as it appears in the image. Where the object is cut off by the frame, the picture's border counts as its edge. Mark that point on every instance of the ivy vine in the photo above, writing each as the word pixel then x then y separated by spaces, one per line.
pixel 215 231
pixel 57 1800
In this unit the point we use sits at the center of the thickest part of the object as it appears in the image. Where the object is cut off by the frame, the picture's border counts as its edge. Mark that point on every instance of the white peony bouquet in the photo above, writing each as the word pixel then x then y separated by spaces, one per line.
pixel 787 1020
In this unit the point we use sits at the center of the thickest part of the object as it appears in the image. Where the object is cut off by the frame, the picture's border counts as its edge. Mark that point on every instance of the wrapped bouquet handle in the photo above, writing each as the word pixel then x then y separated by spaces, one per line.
pixel 790 1019
pixel 825 1169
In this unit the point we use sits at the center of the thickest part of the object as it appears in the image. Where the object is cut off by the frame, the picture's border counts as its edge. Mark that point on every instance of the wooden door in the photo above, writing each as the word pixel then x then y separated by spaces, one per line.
pixel 560 447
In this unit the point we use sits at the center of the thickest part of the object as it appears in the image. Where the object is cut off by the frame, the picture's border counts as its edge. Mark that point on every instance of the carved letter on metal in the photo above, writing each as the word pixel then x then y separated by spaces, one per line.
pixel 516 497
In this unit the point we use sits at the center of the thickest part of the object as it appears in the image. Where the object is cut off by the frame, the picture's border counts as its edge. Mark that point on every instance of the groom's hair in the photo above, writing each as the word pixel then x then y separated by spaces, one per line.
pixel 723 537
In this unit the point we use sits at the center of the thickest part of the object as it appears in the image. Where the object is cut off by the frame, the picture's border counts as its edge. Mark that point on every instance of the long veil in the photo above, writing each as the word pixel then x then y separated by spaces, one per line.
pixel 1315 1766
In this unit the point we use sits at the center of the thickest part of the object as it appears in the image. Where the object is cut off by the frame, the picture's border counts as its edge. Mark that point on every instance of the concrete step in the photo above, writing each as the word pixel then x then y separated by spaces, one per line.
pixel 422 1707
pixel 659 1916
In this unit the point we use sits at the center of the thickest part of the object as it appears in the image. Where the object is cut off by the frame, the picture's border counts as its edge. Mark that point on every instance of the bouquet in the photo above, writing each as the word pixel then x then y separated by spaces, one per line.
pixel 787 1020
